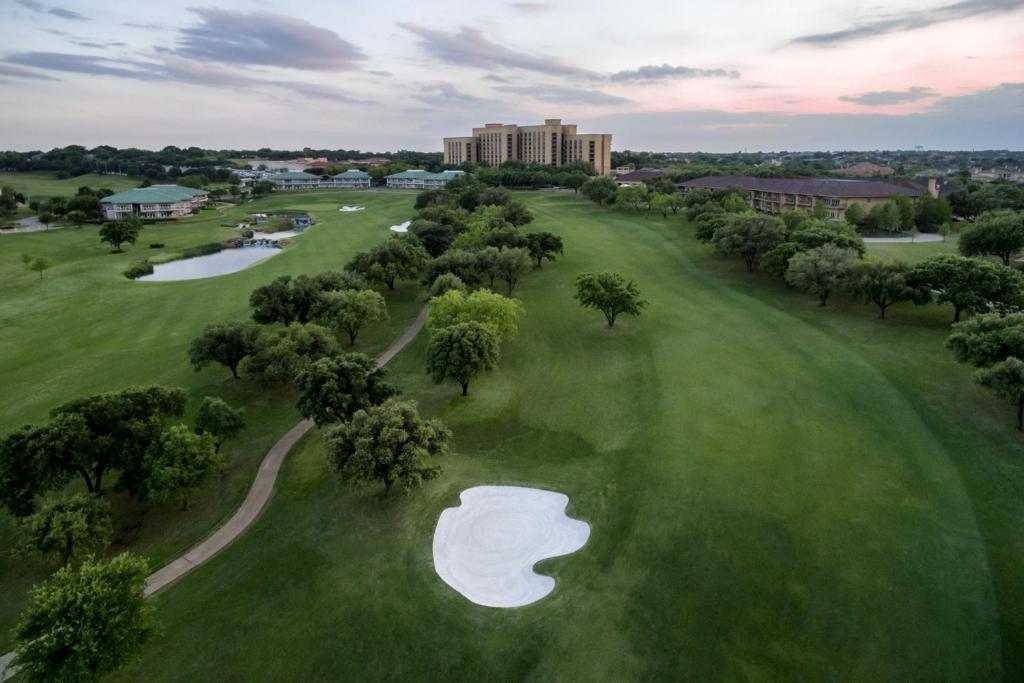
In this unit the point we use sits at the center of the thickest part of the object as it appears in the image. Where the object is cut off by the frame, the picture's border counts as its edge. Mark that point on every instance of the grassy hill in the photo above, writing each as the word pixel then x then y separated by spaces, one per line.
pixel 44 184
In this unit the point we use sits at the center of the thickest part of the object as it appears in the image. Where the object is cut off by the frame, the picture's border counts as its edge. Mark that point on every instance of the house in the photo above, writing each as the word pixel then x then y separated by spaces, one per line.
pixel 155 201
pixel 420 179
pixel 294 180
pixel 352 178
pixel 779 195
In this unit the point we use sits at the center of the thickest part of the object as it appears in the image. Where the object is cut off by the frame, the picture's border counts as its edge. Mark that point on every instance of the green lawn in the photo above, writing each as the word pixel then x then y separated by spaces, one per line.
pixel 913 252
pixel 45 184
pixel 776 492
pixel 85 328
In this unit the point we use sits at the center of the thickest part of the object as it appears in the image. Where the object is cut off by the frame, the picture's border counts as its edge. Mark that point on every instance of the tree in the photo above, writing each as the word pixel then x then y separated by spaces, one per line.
pixel 854 214
pixel 121 231
pixel 435 237
pixel 77 218
pixel 609 293
pixel 495 196
pixel 511 265
pixel 46 217
pixel 281 354
pixel 26 260
pixel 504 238
pixel 395 258
pixel 179 462
pixel 459 262
pixel 499 313
pixel 904 211
pixel 820 270
pixel 575 180
pixel 67 528
pixel 350 309
pixel 41 265
pixel 883 284
pixel 388 443
pixel 932 212
pixel 969 284
pixel 987 339
pixel 461 352
pixel 516 213
pixel 447 282
pixel 332 389
pixel 601 190
pixel 227 343
pixel 219 420
pixel 543 245
pixel 883 217
pixel 287 300
pixel 749 236
pixel 1006 378
pixel 999 233
pixel 633 197
pixel 85 623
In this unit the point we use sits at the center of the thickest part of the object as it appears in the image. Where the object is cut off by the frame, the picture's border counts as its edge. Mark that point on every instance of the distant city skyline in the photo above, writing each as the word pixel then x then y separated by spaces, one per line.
pixel 717 77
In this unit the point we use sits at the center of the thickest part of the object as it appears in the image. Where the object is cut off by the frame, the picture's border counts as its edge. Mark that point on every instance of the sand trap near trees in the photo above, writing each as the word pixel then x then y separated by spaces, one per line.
pixel 401 227
pixel 349 209
pixel 486 547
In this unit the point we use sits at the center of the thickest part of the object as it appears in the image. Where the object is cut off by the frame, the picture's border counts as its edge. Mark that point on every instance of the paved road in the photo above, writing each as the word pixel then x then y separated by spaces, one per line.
pixel 254 503
pixel 30 224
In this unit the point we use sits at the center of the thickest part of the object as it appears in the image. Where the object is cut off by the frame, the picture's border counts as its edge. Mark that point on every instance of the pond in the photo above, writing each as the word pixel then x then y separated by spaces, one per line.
pixel 221 263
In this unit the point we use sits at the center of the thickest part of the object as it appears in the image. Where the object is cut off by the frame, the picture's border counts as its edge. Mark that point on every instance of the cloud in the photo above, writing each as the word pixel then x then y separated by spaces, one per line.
pixel 656 72
pixel 530 7
pixel 32 5
pixel 83 64
pixel 442 94
pixel 23 73
pixel 910 20
pixel 469 47
pixel 67 14
pixel 881 98
pixel 98 46
pixel 265 39
pixel 496 78
pixel 563 95
pixel 382 74
pixel 154 27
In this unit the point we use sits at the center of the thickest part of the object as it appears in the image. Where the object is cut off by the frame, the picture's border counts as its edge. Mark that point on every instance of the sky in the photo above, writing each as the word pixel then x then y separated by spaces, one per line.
pixel 724 76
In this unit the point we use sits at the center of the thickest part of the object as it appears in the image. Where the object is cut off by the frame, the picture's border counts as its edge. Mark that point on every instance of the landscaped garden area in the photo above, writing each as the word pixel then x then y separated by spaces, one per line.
pixel 774 489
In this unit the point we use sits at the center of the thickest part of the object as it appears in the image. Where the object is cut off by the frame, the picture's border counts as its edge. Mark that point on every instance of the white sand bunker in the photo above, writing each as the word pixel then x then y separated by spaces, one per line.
pixel 347 209
pixel 486 547
pixel 401 227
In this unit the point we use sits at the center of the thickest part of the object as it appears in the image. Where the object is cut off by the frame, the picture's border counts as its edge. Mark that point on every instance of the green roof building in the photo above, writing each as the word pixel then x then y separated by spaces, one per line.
pixel 421 180
pixel 155 201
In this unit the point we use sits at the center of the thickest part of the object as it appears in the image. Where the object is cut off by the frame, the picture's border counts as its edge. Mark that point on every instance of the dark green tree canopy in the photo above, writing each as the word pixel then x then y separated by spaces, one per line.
pixel 282 353
pixel 332 389
pixel 68 528
pixel 1006 378
pixel 609 293
pixel 219 420
pixel 820 270
pixel 399 258
pixel 227 343
pixel 996 233
pixel 971 285
pixel 749 236
pixel 461 352
pixel 985 340
pixel 883 284
pixel 389 444
pixel 543 246
pixel 287 300
pixel 121 231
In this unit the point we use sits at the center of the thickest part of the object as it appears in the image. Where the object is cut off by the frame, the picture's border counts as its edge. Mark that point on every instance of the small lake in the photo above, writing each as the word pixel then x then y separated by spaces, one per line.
pixel 211 265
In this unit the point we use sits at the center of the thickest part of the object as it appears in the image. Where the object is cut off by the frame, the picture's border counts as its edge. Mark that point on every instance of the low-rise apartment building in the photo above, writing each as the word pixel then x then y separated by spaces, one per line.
pixel 294 180
pixel 155 201
pixel 421 180
pixel 779 195
pixel 551 144
pixel 351 178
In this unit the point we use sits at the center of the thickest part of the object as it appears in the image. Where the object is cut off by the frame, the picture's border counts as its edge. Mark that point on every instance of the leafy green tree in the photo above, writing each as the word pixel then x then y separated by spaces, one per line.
pixel 883 217
pixel 543 246
pixel 517 214
pixel 77 218
pixel 122 231
pixel 633 197
pixel 332 389
pixel 462 351
pixel 511 265
pixel 609 293
pixel 749 236
pixel 904 211
pixel 819 212
pixel 495 196
pixel 350 309
pixel 34 460
pixel 84 623
pixel 394 259
pixel 708 222
pixel 997 233
pixel 389 444
pixel 1006 378
pixel 26 260
pixel 287 300
pixel 435 237
pixel 459 262
pixel 41 265
pixel 932 212
pixel 854 214
pixel 987 339
pixel 67 528
pixel 227 343
pixel 447 282
pixel 600 190
pixel 46 218
pixel 968 284
pixel 883 284
pixel 498 312
pixel 820 270
pixel 219 420
pixel 575 180
pixel 281 354
pixel 504 238
pixel 179 462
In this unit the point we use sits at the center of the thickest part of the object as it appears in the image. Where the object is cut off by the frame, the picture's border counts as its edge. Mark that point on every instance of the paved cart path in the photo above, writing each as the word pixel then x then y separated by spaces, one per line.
pixel 259 493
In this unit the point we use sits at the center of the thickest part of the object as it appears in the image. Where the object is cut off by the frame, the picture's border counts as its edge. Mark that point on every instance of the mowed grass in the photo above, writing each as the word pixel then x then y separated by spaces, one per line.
pixel 775 492
pixel 84 328
pixel 36 184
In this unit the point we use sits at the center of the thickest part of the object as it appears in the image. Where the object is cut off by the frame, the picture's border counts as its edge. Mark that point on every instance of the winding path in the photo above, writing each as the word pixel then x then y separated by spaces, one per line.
pixel 259 493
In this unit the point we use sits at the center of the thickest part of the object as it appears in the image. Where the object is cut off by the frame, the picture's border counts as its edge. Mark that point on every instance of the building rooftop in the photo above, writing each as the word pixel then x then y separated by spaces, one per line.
pixel 155 194
pixel 822 187
pixel 639 175
pixel 353 173
pixel 293 175
pixel 427 175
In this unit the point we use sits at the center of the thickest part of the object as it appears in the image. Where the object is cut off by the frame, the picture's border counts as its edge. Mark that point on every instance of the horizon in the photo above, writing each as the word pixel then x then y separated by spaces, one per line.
pixel 800 77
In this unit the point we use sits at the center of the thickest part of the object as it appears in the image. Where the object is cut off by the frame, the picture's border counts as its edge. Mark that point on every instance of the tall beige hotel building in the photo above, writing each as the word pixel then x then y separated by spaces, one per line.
pixel 552 144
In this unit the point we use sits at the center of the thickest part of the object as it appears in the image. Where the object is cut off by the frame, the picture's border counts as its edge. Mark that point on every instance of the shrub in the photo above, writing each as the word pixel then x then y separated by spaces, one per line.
pixel 156 245
pixel 139 269
pixel 203 249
